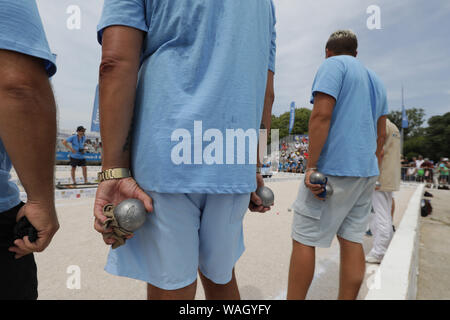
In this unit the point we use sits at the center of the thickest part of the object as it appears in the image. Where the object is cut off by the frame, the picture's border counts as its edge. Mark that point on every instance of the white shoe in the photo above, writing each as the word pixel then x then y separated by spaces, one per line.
pixel 370 259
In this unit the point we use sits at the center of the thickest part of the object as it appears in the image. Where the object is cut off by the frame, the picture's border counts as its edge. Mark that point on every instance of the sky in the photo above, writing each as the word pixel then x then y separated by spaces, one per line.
pixel 410 46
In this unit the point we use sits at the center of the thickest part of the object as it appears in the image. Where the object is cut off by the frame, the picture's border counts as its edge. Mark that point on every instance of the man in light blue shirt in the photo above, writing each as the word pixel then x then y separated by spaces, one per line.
pixel 27 141
pixel 346 136
pixel 203 71
pixel 75 144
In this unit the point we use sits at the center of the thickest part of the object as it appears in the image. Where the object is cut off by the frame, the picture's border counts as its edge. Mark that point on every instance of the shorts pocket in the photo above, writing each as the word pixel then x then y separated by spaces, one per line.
pixel 307 214
pixel 307 205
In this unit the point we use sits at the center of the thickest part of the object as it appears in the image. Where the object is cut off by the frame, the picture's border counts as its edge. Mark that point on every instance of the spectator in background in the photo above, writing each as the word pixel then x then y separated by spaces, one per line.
pixel 419 162
pixel 427 165
pixel 443 172
pixel 411 172
pixel 382 200
pixel 77 158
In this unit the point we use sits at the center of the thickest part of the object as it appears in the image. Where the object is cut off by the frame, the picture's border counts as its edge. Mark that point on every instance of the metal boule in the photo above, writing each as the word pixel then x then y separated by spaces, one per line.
pixel 266 195
pixel 130 214
pixel 317 178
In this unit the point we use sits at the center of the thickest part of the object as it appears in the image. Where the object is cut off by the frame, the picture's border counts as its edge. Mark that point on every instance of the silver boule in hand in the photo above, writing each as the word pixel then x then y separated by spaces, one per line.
pixel 317 178
pixel 266 195
pixel 130 214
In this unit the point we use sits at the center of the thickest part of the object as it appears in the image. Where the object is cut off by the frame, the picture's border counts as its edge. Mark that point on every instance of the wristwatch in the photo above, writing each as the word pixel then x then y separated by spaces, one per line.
pixel 258 169
pixel 116 173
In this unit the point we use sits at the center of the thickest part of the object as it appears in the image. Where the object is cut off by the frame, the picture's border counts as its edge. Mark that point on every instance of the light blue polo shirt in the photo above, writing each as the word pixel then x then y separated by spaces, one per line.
pixel 360 102
pixel 77 144
pixel 204 66
pixel 21 30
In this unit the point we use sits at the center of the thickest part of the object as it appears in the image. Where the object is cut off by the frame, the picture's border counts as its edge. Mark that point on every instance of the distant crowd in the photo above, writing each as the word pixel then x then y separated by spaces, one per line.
pixel 294 156
pixel 425 170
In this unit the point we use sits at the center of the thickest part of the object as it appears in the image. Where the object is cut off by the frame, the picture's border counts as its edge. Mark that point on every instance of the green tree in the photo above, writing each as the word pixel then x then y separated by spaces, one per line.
pixel 438 137
pixel 281 123
pixel 416 118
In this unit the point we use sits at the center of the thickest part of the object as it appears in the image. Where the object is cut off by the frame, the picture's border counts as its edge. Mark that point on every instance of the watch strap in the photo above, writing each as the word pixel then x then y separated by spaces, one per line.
pixel 116 173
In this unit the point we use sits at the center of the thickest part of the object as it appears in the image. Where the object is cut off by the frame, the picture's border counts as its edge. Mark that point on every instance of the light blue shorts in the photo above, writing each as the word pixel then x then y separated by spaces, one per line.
pixel 184 233
pixel 344 214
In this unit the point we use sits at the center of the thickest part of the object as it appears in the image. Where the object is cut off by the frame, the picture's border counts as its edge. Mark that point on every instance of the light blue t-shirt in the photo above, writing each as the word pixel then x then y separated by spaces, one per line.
pixel 77 144
pixel 203 61
pixel 21 30
pixel 9 193
pixel 360 102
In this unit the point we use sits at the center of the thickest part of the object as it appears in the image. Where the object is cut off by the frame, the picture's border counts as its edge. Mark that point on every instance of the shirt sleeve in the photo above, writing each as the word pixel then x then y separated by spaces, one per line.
pixel 130 13
pixel 273 45
pixel 329 78
pixel 70 139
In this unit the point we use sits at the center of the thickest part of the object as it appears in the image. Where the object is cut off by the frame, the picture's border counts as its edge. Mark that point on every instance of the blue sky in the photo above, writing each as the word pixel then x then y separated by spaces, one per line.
pixel 411 48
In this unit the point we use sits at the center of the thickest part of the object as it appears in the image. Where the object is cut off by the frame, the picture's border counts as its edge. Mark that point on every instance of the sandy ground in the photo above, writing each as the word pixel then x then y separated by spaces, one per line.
pixel 78 252
pixel 434 254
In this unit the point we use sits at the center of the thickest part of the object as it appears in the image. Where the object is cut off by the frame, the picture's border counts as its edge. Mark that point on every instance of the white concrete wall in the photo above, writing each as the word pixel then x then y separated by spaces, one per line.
pixel 396 278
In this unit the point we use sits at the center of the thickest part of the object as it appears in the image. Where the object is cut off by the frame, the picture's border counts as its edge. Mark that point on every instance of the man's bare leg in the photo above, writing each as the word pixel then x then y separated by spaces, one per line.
pixel 85 174
pixel 352 269
pixel 301 271
pixel 72 173
pixel 186 293
pixel 213 291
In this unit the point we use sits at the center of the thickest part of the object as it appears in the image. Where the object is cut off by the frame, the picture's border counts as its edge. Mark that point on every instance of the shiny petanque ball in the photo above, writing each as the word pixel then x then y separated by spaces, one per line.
pixel 266 195
pixel 130 214
pixel 377 184
pixel 317 178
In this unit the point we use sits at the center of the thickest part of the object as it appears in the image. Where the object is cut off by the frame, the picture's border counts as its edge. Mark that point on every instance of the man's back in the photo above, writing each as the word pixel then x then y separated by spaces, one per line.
pixel 360 101
pixel 204 61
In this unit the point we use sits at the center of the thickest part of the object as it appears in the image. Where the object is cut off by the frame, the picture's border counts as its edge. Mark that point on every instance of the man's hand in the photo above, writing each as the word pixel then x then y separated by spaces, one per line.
pixel 44 220
pixel 316 189
pixel 255 201
pixel 115 191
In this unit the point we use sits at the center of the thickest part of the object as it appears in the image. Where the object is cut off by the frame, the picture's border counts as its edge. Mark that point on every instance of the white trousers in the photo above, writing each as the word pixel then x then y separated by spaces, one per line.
pixel 381 223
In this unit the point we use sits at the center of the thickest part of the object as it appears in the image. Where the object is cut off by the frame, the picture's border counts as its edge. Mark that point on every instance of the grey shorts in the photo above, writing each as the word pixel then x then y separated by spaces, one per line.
pixel 344 214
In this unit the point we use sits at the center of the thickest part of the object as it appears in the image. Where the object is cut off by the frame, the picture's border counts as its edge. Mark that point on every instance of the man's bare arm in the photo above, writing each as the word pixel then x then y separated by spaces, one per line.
pixel 28 123
pixel 28 131
pixel 68 146
pixel 319 126
pixel 256 203
pixel 118 78
pixel 268 104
